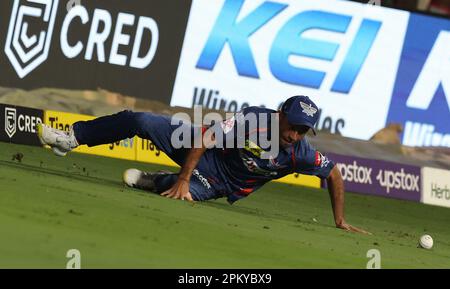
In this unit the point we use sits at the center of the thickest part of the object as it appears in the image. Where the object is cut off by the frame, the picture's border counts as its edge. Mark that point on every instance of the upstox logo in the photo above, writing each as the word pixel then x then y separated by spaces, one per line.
pixel 355 173
pixel 236 30
pixel 387 179
pixel 27 52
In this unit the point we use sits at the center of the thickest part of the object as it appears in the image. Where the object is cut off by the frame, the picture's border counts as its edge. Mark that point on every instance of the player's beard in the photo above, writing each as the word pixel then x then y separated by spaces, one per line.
pixel 284 143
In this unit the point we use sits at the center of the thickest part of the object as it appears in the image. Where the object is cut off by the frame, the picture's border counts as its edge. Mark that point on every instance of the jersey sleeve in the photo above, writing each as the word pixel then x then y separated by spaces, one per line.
pixel 310 161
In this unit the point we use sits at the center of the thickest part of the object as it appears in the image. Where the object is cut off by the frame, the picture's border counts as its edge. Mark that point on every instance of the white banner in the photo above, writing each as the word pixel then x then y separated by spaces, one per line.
pixel 436 187
pixel 344 55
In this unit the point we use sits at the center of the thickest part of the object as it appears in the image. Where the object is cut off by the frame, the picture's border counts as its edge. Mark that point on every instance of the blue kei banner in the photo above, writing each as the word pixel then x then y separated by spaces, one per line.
pixel 365 66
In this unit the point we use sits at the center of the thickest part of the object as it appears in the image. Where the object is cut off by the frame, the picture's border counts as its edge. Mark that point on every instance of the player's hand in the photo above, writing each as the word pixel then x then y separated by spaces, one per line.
pixel 180 190
pixel 350 228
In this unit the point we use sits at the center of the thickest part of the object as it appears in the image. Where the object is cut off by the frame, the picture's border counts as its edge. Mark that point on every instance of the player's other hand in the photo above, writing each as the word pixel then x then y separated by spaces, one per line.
pixel 180 190
pixel 350 228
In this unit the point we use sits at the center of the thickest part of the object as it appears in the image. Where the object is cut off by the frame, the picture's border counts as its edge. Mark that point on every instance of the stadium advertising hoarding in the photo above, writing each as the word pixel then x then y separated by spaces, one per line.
pixel 147 152
pixel 436 187
pixel 381 178
pixel 130 47
pixel 18 124
pixel 365 66
pixel 421 96
pixel 124 149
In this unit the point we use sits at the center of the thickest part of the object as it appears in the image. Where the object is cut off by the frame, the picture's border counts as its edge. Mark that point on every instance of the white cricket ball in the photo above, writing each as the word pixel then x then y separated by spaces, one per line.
pixel 426 242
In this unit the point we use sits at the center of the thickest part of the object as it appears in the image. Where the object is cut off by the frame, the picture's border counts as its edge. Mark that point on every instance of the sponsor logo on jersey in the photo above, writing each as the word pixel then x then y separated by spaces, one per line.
pixel 253 166
pixel 253 148
pixel 321 160
pixel 227 125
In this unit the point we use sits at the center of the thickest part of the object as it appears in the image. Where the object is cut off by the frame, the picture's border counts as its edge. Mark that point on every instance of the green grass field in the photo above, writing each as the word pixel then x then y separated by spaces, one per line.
pixel 49 205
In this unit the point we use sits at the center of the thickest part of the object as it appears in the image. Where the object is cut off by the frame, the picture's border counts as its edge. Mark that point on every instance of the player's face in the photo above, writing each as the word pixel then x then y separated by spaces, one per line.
pixel 289 133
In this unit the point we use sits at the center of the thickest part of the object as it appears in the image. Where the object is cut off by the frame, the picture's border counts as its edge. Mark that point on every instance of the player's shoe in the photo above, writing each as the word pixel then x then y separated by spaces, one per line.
pixel 60 141
pixel 142 180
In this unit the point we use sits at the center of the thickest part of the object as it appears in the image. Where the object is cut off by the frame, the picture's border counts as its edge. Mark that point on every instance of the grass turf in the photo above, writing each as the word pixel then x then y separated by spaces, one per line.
pixel 49 205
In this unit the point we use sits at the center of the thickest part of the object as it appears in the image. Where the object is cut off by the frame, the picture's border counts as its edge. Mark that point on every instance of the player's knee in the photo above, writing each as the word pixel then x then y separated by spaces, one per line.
pixel 139 118
pixel 130 116
pixel 132 119
pixel 126 114
pixel 142 123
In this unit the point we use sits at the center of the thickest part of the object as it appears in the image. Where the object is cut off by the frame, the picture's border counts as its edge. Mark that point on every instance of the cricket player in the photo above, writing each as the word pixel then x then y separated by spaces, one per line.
pixel 218 166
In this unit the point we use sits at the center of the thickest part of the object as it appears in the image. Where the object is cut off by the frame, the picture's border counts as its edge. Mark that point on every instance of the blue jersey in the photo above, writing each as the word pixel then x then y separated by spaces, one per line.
pixel 227 171
pixel 243 170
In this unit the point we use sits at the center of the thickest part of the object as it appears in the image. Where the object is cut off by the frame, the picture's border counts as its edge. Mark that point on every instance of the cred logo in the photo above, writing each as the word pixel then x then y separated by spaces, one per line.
pixel 10 121
pixel 27 52
pixel 19 122
pixel 101 27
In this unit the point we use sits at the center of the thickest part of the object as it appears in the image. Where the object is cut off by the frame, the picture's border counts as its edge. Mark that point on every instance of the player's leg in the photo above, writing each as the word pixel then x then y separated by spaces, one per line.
pixel 127 124
pixel 112 128
pixel 158 182
pixel 60 141
pixel 155 182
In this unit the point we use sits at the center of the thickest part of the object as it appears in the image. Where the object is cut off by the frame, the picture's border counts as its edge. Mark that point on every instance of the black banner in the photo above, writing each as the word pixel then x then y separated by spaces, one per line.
pixel 18 124
pixel 126 46
pixel 216 278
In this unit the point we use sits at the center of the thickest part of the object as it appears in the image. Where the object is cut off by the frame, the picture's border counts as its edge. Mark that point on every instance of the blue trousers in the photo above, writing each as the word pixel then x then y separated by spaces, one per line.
pixel 158 129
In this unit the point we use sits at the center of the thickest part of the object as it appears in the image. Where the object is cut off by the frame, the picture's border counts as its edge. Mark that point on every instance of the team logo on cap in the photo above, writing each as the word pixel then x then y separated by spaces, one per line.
pixel 308 109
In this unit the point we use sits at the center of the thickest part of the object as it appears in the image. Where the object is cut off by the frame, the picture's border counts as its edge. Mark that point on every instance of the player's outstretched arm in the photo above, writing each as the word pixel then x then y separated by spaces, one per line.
pixel 336 190
pixel 180 190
